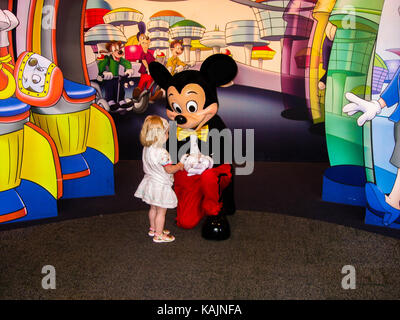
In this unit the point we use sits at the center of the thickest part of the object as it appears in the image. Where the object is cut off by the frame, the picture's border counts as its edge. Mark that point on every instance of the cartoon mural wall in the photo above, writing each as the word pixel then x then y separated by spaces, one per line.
pixel 55 142
pixel 381 135
pixel 64 96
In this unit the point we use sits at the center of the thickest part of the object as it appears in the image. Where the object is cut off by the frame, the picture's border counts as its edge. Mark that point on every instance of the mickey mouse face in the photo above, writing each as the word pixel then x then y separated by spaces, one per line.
pixel 187 106
pixel 192 95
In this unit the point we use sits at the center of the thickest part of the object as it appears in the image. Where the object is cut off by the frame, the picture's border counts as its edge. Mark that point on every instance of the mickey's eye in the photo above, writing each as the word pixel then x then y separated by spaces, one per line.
pixel 191 106
pixel 177 107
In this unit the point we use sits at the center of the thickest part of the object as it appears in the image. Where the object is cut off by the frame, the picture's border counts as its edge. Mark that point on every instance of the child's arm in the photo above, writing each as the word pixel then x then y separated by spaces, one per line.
pixel 173 168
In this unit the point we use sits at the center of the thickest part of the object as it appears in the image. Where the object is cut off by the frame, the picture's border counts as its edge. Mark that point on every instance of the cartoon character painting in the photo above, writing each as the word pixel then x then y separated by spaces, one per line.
pixel 205 187
pixel 146 57
pixel 326 53
pixel 114 92
pixel 175 64
pixel 29 185
pixel 378 202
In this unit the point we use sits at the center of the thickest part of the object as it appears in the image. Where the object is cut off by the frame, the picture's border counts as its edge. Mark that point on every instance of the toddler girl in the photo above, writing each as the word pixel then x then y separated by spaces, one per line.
pixel 156 187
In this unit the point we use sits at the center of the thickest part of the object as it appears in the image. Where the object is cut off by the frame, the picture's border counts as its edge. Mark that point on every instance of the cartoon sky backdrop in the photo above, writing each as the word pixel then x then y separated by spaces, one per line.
pixel 209 13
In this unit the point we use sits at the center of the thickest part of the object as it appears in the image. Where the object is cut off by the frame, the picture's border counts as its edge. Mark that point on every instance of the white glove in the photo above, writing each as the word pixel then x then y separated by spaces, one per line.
pixel 108 75
pixel 196 163
pixel 195 171
pixel 369 108
pixel 184 158
pixel 189 160
pixel 129 73
pixel 8 21
pixel 204 163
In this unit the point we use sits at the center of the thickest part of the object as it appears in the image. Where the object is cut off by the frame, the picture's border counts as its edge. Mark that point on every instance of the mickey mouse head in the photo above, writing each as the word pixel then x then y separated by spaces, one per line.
pixel 191 94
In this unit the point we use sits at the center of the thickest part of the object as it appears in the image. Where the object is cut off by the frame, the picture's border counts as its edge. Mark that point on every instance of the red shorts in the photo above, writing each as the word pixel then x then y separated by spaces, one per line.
pixel 200 195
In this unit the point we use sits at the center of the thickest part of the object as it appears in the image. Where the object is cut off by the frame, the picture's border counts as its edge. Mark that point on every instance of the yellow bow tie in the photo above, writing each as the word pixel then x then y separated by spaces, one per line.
pixel 201 133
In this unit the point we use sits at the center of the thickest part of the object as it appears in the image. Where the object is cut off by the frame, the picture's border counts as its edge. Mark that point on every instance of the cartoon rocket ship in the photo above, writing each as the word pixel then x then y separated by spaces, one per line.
pixel 29 175
pixel 83 133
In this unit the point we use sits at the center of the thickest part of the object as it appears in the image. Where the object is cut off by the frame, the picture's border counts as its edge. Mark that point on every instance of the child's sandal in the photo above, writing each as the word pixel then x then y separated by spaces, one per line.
pixel 152 232
pixel 163 238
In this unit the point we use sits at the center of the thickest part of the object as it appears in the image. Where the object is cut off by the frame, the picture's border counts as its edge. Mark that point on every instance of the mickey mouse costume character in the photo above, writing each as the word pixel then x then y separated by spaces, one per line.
pixel 206 187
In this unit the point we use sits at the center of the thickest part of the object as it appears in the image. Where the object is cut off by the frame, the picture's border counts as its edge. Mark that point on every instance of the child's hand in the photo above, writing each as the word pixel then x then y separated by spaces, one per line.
pixel 181 166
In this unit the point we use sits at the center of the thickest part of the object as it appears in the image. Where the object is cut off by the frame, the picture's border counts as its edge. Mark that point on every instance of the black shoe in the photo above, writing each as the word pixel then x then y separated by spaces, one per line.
pixel 216 228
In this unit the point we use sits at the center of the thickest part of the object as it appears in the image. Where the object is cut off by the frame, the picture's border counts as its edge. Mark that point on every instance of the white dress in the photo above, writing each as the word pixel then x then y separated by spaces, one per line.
pixel 156 186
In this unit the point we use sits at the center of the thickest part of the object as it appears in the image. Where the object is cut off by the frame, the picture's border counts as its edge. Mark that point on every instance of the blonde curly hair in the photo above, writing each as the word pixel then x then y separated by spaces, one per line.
pixel 153 131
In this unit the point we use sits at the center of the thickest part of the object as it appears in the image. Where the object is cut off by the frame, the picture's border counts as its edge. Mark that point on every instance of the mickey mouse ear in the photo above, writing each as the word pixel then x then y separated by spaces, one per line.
pixel 220 69
pixel 160 74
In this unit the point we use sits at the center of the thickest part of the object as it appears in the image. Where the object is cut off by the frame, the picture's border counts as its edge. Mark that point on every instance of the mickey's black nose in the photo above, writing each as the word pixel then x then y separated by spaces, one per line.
pixel 180 119
pixel 120 52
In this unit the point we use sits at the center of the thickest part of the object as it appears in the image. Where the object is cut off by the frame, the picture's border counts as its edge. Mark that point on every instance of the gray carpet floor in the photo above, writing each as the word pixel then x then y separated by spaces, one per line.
pixel 269 256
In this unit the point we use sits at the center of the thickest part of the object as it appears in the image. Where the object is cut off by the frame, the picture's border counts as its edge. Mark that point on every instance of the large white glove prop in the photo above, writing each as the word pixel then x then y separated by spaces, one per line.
pixel 8 21
pixel 369 108
pixel 204 163
pixel 189 161
pixel 195 162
